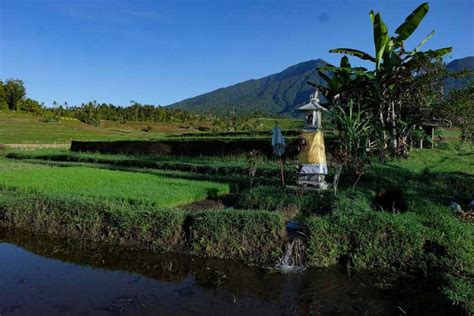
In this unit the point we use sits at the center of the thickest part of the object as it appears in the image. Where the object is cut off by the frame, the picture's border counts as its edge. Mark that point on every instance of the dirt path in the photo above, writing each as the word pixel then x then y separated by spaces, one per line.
pixel 36 146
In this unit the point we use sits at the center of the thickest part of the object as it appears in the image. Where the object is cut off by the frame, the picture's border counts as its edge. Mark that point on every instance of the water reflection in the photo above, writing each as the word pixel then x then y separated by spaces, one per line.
pixel 54 276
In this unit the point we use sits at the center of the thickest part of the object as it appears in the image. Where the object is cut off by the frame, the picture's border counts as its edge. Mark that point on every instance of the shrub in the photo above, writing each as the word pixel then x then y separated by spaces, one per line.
pixel 450 242
pixel 247 235
pixel 155 229
pixel 386 245
pixel 350 201
pixel 49 117
pixel 326 242
pixel 52 215
pixel 268 198
pixel 460 290
pixel 273 198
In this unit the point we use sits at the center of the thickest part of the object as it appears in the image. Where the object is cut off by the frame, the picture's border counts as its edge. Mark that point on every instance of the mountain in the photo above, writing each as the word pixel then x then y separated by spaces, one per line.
pixel 282 92
pixel 278 93
pixel 459 65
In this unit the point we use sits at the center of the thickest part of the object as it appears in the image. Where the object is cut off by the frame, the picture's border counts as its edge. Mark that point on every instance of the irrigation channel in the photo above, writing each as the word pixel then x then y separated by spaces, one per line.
pixel 49 276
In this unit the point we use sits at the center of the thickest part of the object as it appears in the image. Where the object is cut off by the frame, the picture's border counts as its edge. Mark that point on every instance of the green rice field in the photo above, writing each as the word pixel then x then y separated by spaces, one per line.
pixel 103 184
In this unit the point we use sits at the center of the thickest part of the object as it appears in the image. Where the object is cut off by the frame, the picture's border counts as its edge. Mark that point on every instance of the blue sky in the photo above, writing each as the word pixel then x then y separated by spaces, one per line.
pixel 160 52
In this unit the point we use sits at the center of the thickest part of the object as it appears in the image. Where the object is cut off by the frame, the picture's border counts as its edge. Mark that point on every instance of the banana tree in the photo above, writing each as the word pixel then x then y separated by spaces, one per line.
pixel 394 71
pixel 342 83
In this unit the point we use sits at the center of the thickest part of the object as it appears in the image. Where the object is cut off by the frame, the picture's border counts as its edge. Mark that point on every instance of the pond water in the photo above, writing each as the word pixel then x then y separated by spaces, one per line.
pixel 43 275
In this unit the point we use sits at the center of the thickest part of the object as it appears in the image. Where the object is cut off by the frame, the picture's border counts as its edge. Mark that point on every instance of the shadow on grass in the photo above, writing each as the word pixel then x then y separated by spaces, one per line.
pixel 439 187
pixel 237 182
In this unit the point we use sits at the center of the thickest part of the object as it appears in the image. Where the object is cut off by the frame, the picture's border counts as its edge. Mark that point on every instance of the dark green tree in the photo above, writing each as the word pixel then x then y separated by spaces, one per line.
pixel 3 98
pixel 458 109
pixel 15 92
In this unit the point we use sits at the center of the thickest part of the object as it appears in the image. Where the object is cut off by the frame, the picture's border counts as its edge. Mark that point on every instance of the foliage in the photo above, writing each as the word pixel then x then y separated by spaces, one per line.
pixel 49 117
pixel 401 89
pixel 354 131
pixel 425 240
pixel 3 98
pixel 30 106
pixel 326 242
pixel 461 292
pixel 245 235
pixel 14 92
pixel 282 200
pixel 458 108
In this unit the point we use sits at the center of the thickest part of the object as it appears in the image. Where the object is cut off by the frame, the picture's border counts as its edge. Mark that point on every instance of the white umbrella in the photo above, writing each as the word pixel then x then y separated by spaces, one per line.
pixel 278 144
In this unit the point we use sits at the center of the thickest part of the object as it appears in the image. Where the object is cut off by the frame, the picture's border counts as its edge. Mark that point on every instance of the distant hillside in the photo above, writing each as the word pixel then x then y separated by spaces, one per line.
pixel 281 92
pixel 278 93
pixel 459 65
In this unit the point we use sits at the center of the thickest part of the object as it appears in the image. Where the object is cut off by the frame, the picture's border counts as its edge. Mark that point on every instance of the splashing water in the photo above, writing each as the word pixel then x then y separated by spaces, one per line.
pixel 292 260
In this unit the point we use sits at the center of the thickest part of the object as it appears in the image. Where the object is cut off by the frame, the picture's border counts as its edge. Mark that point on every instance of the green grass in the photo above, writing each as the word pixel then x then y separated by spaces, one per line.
pixel 451 159
pixel 218 165
pixel 451 133
pixel 126 187
pixel 20 128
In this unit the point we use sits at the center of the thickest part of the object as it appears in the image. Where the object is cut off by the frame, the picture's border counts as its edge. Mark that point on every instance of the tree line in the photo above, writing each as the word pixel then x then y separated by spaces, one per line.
pixel 13 98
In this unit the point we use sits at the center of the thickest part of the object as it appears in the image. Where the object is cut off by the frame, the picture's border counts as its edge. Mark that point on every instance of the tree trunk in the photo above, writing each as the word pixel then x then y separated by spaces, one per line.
pixel 393 126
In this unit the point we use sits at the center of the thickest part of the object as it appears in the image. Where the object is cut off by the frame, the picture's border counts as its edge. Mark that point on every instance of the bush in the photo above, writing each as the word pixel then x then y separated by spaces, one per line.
pixel 246 235
pixel 49 117
pixel 326 242
pixel 460 290
pixel 153 229
pixel 272 198
pixel 451 241
pixel 384 245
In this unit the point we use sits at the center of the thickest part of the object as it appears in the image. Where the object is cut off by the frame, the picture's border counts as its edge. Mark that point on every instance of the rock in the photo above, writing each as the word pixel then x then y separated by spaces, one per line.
pixel 471 205
pixel 455 207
